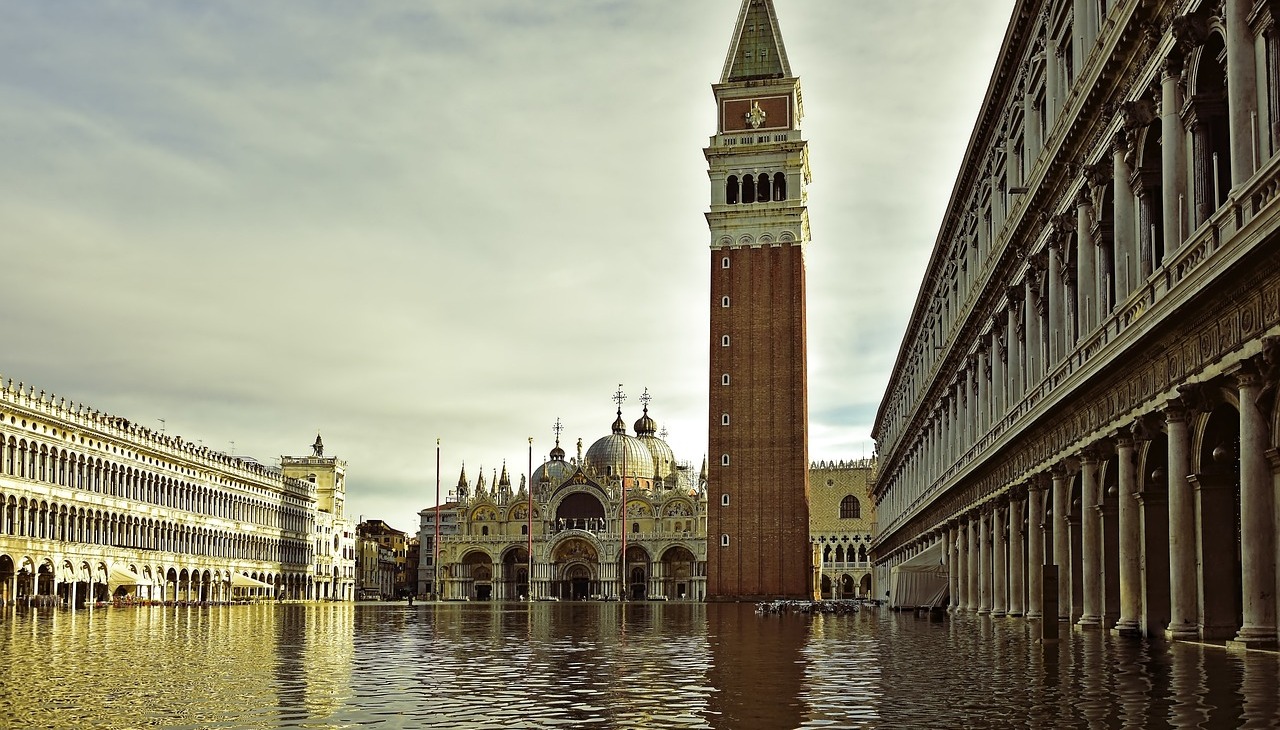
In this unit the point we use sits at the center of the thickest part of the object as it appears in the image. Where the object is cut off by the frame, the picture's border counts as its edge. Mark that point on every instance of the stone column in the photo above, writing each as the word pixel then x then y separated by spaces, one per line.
pixel 984 560
pixel 999 548
pixel 1079 33
pixel 1124 241
pixel 1014 340
pixel 1090 539
pixel 981 395
pixel 1034 372
pixel 953 566
pixel 995 393
pixel 1017 562
pixel 1030 127
pixel 1183 613
pixel 971 590
pixel 1242 92
pixel 1035 546
pixel 1062 538
pixel 1130 537
pixel 1057 300
pixel 1173 155
pixel 1257 541
pixel 1052 83
pixel 1086 276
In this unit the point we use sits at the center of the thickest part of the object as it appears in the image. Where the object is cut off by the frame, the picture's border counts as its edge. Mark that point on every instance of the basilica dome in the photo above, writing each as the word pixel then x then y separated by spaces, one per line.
pixel 664 461
pixel 610 455
pixel 555 471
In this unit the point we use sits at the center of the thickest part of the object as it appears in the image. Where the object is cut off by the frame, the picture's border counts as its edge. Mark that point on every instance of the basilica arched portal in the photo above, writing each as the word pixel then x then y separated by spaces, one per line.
pixel 577 567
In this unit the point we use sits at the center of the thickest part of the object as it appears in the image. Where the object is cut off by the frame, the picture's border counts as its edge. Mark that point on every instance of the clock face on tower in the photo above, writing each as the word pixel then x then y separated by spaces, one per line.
pixel 762 113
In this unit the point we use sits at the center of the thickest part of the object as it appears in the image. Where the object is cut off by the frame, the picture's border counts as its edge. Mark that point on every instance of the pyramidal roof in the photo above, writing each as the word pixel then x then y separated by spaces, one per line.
pixel 756 50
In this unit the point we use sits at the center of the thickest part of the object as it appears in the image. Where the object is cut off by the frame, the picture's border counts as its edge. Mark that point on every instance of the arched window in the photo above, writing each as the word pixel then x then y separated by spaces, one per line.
pixel 724 460
pixel 724 341
pixel 724 379
pixel 762 188
pixel 779 186
pixel 724 262
pixel 524 529
pixel 850 508
pixel 724 540
pixel 724 302
pixel 724 419
pixel 748 189
pixel 484 530
pixel 724 500
pixel 635 528
pixel 731 190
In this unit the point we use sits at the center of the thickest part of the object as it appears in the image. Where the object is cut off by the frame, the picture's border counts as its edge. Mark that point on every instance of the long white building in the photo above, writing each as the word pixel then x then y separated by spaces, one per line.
pixel 1088 377
pixel 95 508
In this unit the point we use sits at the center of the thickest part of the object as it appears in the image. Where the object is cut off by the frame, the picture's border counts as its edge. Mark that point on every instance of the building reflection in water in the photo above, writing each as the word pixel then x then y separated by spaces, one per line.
pixel 758 668
pixel 643 665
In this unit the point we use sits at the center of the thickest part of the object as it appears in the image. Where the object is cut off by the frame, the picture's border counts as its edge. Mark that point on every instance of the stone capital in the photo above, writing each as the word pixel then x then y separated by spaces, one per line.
pixel 1135 115
pixel 1198 397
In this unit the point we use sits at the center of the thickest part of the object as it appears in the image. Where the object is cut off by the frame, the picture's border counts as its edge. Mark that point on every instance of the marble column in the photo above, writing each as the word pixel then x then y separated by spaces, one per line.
pixel 1183 603
pixel 1057 301
pixel 999 549
pixel 971 590
pixel 1130 537
pixel 1257 540
pixel 984 561
pixel 1173 155
pixel 1124 240
pixel 1035 546
pixel 1061 521
pixel 981 395
pixel 995 392
pixel 1242 92
pixel 1090 539
pixel 1017 562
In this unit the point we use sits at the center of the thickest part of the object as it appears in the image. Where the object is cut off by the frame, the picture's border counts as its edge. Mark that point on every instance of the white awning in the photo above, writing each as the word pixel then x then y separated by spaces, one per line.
pixel 243 581
pixel 120 575
pixel 920 581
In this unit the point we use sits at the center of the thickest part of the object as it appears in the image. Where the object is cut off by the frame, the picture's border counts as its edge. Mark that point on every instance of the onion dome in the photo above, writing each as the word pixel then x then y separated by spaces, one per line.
pixel 556 471
pixel 664 461
pixel 617 452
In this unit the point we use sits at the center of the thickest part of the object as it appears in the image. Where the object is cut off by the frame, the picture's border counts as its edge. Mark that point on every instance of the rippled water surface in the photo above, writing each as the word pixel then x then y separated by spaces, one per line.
pixel 601 665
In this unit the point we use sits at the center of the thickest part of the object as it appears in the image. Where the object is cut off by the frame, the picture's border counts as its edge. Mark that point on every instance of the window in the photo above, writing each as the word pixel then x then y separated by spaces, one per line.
pixel 724 540
pixel 731 194
pixel 724 302
pixel 724 419
pixel 724 500
pixel 779 184
pixel 850 508
pixel 635 528
pixel 724 379
pixel 724 341
pixel 724 262
pixel 484 530
pixel 524 529
pixel 724 460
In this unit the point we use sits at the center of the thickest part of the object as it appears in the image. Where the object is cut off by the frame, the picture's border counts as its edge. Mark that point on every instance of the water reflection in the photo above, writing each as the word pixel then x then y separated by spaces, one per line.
pixel 609 665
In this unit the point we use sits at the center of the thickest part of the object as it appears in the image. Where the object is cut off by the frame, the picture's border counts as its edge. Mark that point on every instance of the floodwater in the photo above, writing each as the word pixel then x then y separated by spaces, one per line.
pixel 601 665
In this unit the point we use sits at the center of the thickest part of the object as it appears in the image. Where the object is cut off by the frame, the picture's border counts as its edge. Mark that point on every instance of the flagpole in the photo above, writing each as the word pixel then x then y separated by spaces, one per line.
pixel 529 589
pixel 435 562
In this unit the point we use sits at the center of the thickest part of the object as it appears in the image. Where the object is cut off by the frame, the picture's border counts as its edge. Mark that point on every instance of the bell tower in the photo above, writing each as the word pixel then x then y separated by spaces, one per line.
pixel 758 165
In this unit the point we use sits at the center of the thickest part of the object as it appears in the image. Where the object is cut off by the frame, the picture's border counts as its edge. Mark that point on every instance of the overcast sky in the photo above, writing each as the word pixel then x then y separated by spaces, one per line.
pixel 392 222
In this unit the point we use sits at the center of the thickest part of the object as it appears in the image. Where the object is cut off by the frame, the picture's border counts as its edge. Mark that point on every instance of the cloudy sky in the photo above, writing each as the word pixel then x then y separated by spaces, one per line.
pixel 392 222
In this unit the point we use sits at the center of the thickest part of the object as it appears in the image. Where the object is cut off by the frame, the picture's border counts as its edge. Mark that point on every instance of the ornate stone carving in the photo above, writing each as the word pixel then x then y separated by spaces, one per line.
pixel 1136 115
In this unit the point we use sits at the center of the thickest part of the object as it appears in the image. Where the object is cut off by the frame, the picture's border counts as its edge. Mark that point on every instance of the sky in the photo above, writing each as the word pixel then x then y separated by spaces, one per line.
pixel 395 222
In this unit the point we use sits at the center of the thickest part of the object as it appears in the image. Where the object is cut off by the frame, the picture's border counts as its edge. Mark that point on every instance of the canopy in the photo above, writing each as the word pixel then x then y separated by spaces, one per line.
pixel 921 581
pixel 244 581
pixel 125 577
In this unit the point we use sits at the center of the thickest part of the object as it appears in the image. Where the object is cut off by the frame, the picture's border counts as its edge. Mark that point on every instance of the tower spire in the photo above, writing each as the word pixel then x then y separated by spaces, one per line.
pixel 756 50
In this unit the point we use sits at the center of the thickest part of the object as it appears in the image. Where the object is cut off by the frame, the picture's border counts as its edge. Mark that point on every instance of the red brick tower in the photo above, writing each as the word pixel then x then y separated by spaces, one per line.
pixel 758 447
